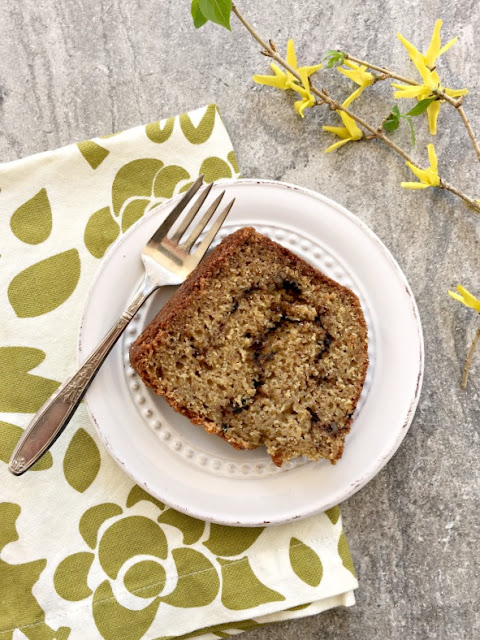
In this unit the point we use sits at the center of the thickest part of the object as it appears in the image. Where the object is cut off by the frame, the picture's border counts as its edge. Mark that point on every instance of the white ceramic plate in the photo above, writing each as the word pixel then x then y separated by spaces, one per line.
pixel 200 474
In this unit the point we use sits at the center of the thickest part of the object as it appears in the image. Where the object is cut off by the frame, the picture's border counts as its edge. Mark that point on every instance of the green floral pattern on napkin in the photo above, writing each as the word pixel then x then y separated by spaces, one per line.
pixel 83 553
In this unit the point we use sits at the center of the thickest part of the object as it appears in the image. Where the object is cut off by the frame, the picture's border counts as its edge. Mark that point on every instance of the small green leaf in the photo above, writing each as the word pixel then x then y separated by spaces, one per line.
pixel 420 108
pixel 198 18
pixel 334 57
pixel 46 285
pixel 217 11
pixel 32 221
pixel 82 461
pixel 305 562
pixel 392 123
pixel 396 111
pixel 344 553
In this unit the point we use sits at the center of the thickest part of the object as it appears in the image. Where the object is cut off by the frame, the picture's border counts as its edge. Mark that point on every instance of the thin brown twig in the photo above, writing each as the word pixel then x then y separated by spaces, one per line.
pixel 469 129
pixel 470 201
pixel 468 361
pixel 335 105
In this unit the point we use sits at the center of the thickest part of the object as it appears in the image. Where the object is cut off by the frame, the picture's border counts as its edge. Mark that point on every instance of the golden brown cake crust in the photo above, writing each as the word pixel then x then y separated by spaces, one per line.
pixel 143 348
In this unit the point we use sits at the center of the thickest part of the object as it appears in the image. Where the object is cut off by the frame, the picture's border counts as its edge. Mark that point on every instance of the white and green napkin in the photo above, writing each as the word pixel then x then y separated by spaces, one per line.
pixel 84 553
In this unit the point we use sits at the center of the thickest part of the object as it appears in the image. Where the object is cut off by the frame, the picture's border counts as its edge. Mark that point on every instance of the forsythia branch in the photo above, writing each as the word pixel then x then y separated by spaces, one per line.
pixel 457 103
pixel 335 105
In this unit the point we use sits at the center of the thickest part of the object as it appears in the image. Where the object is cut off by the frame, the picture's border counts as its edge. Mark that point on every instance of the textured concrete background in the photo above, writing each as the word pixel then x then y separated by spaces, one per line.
pixel 73 69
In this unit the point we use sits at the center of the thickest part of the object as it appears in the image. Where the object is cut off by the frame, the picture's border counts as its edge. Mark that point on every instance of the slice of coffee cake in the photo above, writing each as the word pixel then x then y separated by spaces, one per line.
pixel 260 348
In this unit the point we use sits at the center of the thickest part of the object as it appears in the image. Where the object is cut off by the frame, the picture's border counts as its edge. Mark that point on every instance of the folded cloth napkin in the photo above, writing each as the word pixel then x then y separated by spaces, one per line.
pixel 84 553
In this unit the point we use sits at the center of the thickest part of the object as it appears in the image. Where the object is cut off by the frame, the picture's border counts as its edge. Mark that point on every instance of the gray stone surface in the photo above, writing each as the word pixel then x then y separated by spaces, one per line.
pixel 72 69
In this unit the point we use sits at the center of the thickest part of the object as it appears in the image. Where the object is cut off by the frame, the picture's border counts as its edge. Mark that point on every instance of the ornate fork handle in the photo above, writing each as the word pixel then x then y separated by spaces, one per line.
pixel 55 414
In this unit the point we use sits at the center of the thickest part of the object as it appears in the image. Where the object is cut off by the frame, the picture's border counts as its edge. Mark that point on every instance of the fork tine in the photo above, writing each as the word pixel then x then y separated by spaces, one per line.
pixel 187 219
pixel 212 232
pixel 166 225
pixel 188 244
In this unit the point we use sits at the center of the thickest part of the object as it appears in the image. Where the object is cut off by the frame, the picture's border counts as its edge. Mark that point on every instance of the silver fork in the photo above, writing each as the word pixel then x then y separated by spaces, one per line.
pixel 166 262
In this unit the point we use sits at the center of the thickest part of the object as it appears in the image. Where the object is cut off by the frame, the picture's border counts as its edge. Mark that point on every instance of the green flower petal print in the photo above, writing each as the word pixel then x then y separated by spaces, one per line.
pixel 137 187
pixel 114 621
pixel 185 187
pixel 32 221
pixel 344 553
pixel 333 514
pixel 21 391
pixel 145 579
pixel 191 527
pixel 231 541
pixel 137 494
pixel 305 562
pixel 232 158
pixel 144 537
pixel 241 589
pixel 100 232
pixel 93 518
pixel 198 582
pixel 9 436
pixel 70 577
pixel 215 169
pixel 45 285
pixel 82 461
pixel 134 179
pixel 93 153
pixel 167 179
pixel 201 133
pixel 156 133
pixel 133 212
pixel 19 607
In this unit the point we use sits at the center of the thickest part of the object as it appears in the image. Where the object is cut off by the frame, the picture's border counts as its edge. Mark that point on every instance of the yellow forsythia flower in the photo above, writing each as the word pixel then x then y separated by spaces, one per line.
pixel 349 132
pixel 425 64
pixel 286 80
pixel 428 177
pixel 466 298
pixel 359 75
